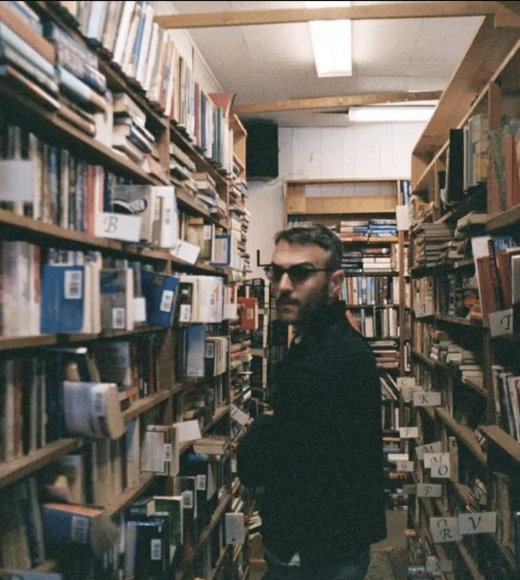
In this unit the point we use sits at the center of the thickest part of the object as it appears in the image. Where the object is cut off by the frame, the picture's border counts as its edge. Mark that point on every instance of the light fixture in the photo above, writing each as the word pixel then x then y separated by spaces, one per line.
pixel 390 113
pixel 331 42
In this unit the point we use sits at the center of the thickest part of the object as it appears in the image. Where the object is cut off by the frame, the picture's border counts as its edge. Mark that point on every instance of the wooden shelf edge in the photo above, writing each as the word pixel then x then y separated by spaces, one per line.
pixel 464 433
pixel 145 404
pixel 24 466
pixel 501 439
pixel 129 495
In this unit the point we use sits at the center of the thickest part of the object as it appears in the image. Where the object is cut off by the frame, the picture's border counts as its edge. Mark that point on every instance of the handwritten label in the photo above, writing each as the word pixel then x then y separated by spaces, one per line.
pixel 239 416
pixel 501 322
pixel 439 565
pixel 434 447
pixel 478 523
pixel 444 530
pixel 404 466
pixel 427 399
pixel 408 432
pixel 116 226
pixel 429 490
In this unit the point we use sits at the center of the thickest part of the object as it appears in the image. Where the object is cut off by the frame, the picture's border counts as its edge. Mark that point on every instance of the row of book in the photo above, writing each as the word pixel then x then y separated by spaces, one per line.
pixel 372 290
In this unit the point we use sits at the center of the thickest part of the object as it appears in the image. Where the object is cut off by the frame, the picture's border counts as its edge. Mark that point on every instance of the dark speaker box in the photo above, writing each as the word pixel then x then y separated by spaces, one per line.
pixel 261 150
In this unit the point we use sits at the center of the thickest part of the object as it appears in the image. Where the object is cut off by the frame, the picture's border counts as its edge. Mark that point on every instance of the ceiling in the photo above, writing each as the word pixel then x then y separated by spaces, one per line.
pixel 273 62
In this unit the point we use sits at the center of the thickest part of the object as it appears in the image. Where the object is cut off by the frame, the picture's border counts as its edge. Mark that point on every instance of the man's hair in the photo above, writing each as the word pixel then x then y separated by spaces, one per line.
pixel 311 233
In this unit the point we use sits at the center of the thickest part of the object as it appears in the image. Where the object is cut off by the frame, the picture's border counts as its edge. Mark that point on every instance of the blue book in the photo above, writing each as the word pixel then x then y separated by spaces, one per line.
pixel 160 292
pixel 62 298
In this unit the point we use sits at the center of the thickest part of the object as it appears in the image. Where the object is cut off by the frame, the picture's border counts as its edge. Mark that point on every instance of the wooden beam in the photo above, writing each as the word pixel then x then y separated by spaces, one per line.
pixel 507 14
pixel 332 102
pixel 292 15
pixel 489 48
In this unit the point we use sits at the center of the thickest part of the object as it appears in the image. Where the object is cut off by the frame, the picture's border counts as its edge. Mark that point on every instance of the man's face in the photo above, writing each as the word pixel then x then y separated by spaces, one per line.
pixel 296 300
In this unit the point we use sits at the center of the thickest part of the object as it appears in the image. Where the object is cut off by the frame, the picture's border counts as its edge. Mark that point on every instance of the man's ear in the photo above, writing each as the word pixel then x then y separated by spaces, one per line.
pixel 335 282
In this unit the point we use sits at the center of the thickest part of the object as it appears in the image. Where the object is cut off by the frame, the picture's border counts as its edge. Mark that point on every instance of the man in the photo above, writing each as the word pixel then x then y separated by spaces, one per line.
pixel 319 456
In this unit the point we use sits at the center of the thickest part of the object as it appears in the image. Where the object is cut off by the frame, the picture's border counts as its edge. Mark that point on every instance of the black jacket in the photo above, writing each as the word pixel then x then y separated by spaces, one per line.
pixel 320 455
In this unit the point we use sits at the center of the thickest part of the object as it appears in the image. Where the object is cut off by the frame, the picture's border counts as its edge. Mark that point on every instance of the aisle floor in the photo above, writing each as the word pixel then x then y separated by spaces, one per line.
pixel 394 544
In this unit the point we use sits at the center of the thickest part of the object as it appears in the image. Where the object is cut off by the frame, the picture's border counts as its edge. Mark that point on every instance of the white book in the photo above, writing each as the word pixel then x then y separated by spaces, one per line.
pixel 122 31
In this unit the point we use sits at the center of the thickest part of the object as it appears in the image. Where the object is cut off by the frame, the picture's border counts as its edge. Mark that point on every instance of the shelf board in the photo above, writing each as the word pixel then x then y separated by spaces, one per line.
pixel 464 433
pixel 503 440
pixel 35 230
pixel 24 466
pixel 424 359
pixel 504 220
pixel 49 340
pixel 460 321
pixel 145 404
pixel 204 536
pixel 51 122
pixel 130 494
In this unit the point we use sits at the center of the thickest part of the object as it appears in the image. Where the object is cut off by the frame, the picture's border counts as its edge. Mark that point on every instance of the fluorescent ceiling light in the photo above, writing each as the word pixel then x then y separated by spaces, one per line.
pixel 390 114
pixel 331 42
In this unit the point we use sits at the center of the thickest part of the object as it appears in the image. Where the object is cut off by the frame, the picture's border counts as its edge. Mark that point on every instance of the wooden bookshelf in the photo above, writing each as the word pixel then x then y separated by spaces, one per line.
pixel 43 116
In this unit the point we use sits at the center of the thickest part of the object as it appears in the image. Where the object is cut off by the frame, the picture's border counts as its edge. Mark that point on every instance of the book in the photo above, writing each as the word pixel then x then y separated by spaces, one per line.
pixel 62 298
pixel 92 410
pixel 78 524
pixel 160 292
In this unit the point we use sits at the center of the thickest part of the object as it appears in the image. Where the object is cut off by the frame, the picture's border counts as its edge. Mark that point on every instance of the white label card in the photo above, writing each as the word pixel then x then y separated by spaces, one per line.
pixel 444 530
pixel 408 432
pixel 239 416
pixel 404 466
pixel 117 226
pixel 435 447
pixel 408 392
pixel 439 566
pixel 478 523
pixel 435 459
pixel 440 470
pixel 166 301
pixel 427 399
pixel 501 322
pixel 429 490
pixel 403 382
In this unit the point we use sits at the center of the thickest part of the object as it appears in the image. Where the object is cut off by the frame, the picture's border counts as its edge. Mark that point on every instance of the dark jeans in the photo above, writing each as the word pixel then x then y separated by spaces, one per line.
pixel 353 568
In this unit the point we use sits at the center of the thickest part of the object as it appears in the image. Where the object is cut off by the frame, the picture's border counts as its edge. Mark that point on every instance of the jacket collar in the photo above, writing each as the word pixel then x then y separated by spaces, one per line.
pixel 322 319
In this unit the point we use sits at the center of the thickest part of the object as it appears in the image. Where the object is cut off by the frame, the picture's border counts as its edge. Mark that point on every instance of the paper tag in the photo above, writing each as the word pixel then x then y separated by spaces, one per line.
pixel 166 301
pixel 444 530
pixel 118 318
pixel 439 566
pixel 478 523
pixel 440 470
pixel 185 251
pixel 408 432
pixel 73 285
pixel 423 309
pixel 239 416
pixel 404 466
pixel 405 382
pixel 17 180
pixel 427 399
pixel 435 458
pixel 501 322
pixel 118 226
pixel 185 313
pixel 435 447
pixel 200 482
pixel 428 490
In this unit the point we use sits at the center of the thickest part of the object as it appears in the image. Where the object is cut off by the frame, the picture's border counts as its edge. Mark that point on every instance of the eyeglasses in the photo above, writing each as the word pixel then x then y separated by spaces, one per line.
pixel 298 273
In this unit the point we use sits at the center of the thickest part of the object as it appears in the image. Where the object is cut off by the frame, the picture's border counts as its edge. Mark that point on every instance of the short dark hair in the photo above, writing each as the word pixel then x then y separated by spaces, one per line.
pixel 318 234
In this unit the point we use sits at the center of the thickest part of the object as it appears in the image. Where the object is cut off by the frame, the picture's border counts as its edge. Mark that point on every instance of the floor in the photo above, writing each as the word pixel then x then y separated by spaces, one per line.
pixel 394 545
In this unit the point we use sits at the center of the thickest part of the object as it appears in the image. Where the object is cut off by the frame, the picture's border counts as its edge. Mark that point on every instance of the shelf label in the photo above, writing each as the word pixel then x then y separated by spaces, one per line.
pixel 435 459
pixel 478 523
pixel 428 490
pixel 427 399
pixel 404 466
pixel 440 471
pixel 116 226
pixel 435 447
pixel 439 566
pixel 405 382
pixel 425 308
pixel 444 530
pixel 408 392
pixel 501 322
pixel 408 432
pixel 239 416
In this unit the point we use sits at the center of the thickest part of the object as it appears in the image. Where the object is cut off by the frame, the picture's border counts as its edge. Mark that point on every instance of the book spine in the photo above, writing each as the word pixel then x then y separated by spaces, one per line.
pixel 23 29
pixel 80 91
pixel 11 39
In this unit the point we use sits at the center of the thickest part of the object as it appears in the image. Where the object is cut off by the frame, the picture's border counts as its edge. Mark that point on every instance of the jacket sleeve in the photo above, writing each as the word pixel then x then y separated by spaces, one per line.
pixel 256 452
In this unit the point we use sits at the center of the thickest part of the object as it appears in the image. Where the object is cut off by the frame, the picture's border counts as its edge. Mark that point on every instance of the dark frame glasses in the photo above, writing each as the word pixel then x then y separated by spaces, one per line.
pixel 298 273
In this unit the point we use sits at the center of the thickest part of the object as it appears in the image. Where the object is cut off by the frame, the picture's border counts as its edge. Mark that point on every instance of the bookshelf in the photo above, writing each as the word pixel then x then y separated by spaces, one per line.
pixel 77 160
pixel 459 297
pixel 376 295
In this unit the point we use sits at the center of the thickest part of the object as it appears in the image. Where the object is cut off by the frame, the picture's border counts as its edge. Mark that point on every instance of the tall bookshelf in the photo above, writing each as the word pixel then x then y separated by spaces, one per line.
pixel 464 338
pixel 375 297
pixel 38 111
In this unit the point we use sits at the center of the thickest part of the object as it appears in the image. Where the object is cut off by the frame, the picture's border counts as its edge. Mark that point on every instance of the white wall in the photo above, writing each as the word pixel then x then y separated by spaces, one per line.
pixel 361 151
